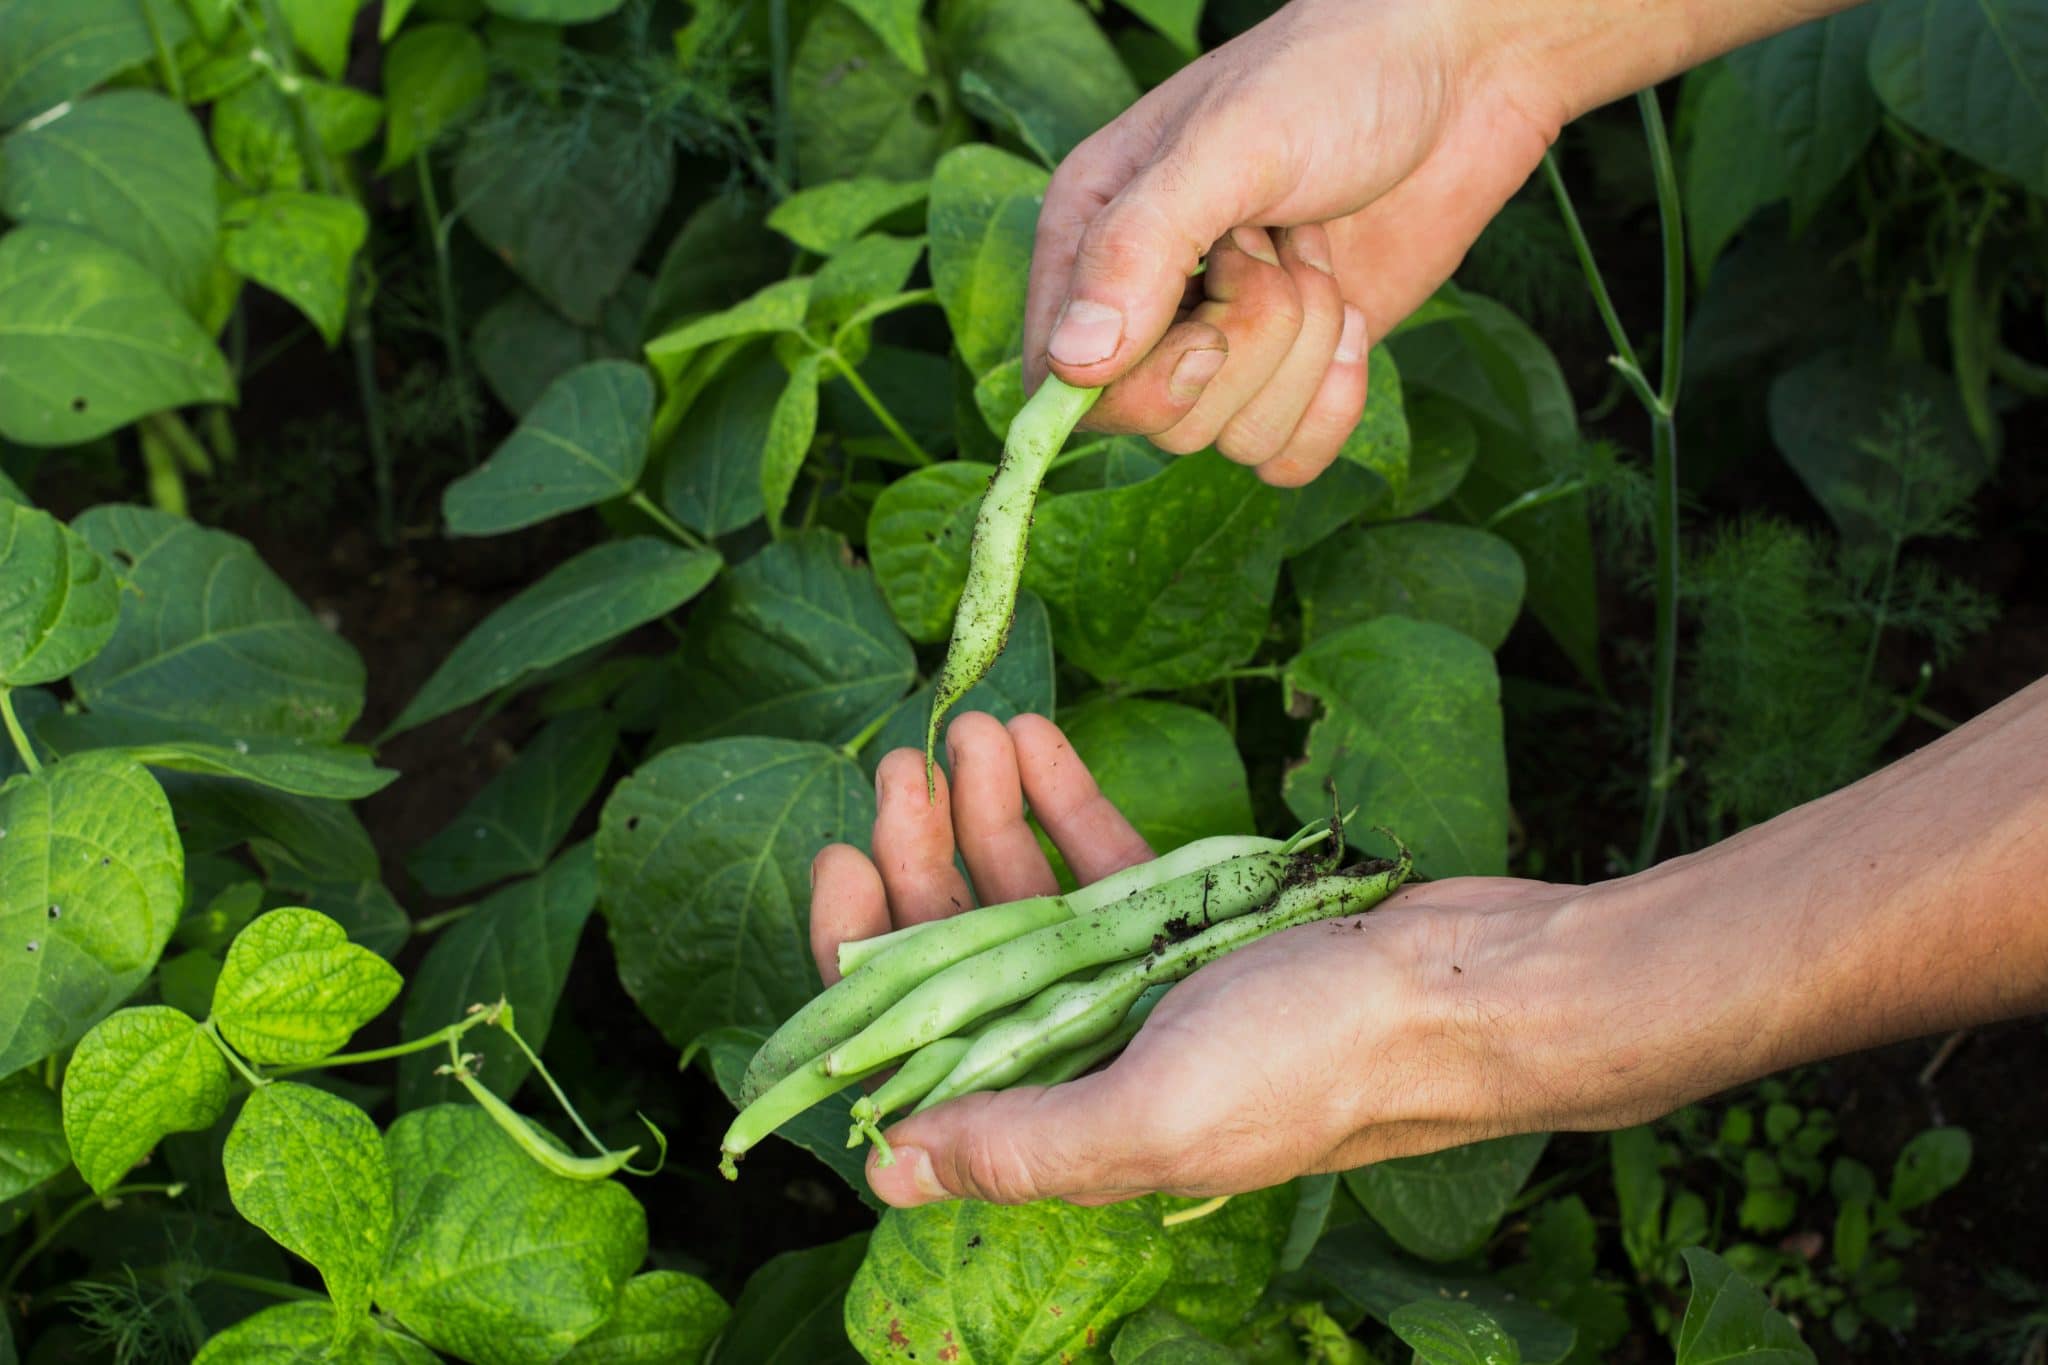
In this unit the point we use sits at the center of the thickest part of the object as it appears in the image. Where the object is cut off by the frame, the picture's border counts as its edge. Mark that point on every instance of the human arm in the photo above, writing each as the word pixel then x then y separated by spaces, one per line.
pixel 1908 903
pixel 1333 165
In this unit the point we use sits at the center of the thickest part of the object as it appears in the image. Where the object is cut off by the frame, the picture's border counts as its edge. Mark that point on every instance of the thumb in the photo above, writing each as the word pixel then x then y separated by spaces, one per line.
pixel 1115 278
pixel 1010 1147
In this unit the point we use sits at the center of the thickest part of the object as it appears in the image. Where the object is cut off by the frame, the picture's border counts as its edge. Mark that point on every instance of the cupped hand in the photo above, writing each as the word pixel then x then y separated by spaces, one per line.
pixel 1333 165
pixel 1320 1048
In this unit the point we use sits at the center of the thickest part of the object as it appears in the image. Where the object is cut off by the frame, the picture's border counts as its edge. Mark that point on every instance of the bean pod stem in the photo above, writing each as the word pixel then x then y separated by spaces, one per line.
pixel 995 565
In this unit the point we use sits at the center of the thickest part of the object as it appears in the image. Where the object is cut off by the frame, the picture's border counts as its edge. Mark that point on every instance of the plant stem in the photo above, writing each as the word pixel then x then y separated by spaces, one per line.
pixel 1625 359
pixel 1189 1215
pixel 877 406
pixel 70 1215
pixel 778 82
pixel 16 733
pixel 422 927
pixel 384 1054
pixel 1877 624
pixel 256 1081
pixel 172 431
pixel 652 511
pixel 167 62
pixel 867 734
pixel 278 1289
pixel 444 287
pixel 363 343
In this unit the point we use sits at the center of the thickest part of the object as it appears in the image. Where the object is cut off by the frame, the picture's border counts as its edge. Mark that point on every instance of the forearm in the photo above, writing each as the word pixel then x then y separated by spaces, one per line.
pixel 1575 55
pixel 1909 903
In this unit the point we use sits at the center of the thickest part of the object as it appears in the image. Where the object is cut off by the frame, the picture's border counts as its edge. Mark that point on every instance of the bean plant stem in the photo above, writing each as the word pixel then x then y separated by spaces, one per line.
pixel 867 734
pixel 1189 1215
pixel 778 84
pixel 652 511
pixel 384 1054
pixel 277 1289
pixel 212 1030
pixel 444 288
pixel 70 1215
pixel 875 405
pixel 16 733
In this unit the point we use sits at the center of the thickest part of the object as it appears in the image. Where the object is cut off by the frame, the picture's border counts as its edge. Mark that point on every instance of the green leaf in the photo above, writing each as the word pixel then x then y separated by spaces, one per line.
pixel 186 981
pixel 792 424
pixel 512 827
pixel 256 130
pixel 522 345
pixel 294 989
pixel 865 273
pixel 795 643
pixel 1358 1264
pixel 1456 576
pixel 496 1259
pixel 139 1076
pixel 91 874
pixel 1021 683
pixel 52 53
pixel 1443 444
pixel 820 1130
pixel 895 23
pixel 1173 770
pixel 304 1334
pixel 1932 1164
pixel 583 443
pixel 827 217
pixel 1445 1205
pixel 919 532
pixel 1453 1334
pixel 1728 1318
pixel 299 246
pixel 320 29
pixel 293 837
pixel 1007 46
pixel 584 602
pixel 982 221
pixel 129 167
pixel 792 1310
pixel 1162 584
pixel 718 258
pixel 703 861
pixel 90 340
pixel 664 1317
pixel 1156 1336
pixel 1003 1283
pixel 517 946
pixel 554 11
pixel 1223 1260
pixel 309 1169
pixel 1730 161
pixel 60 601
pixel 566 204
pixel 1411 732
pixel 857 110
pixel 1813 92
pixel 210 635
pixel 364 907
pixel 342 772
pixel 433 75
pixel 32 1145
pixel 711 478
pixel 1832 416
pixel 774 308
pixel 1381 441
pixel 1969 76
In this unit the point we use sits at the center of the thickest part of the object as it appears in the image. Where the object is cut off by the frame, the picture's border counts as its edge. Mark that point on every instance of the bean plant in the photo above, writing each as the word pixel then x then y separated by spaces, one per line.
pixel 719 309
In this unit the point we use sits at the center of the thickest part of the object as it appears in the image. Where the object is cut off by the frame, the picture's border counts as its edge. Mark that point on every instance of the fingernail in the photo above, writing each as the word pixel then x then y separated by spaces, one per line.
pixel 1254 243
pixel 878 784
pixel 1086 333
pixel 1314 249
pixel 1351 343
pixel 1194 371
pixel 813 872
pixel 919 1163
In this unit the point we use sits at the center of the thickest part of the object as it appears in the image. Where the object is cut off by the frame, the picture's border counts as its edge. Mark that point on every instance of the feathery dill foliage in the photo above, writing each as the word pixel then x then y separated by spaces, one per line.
pixel 133 1323
pixel 1780 711
pixel 1524 259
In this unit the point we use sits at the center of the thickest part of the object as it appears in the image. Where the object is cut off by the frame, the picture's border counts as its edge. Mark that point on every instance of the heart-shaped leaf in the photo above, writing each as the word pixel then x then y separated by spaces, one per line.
pixel 140 1075
pixel 60 600
pixel 293 988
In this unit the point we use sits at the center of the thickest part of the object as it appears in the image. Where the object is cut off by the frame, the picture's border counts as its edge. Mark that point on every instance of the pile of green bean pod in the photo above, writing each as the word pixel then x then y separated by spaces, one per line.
pixel 1037 991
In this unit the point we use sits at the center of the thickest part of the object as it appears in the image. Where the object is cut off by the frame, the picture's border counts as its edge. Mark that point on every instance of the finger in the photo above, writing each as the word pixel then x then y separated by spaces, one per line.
pixel 1016 1147
pixel 847 903
pixel 1254 302
pixel 1332 414
pixel 914 842
pixel 1087 828
pixel 1135 254
pixel 1260 429
pixel 1002 854
pixel 1162 388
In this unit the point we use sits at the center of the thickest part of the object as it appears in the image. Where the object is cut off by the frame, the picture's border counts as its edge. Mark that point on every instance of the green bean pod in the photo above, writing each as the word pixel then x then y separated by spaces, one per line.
pixel 1065 1066
pixel 1019 968
pixel 857 953
pixel 988 600
pixel 842 1011
pixel 1077 1014
pixel 926 1067
pixel 780 1103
